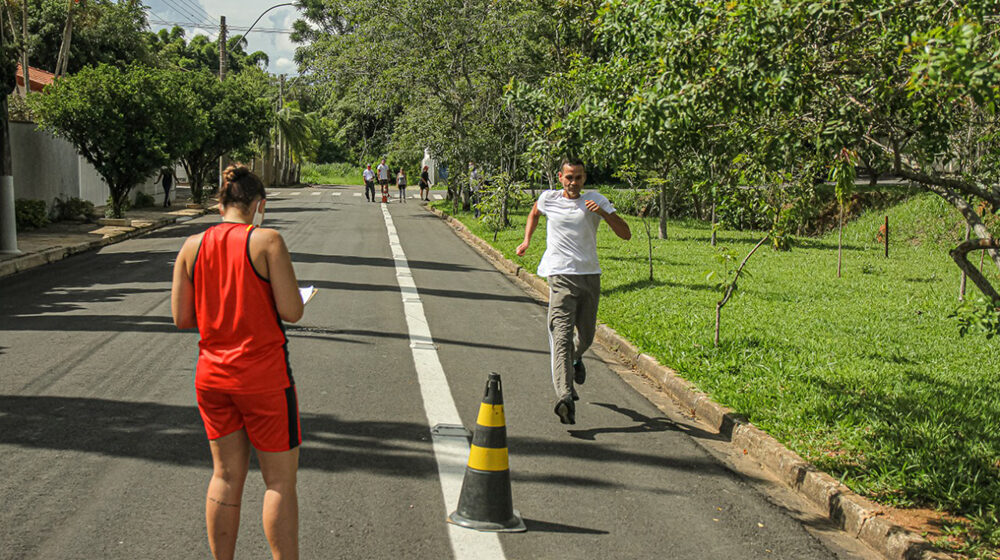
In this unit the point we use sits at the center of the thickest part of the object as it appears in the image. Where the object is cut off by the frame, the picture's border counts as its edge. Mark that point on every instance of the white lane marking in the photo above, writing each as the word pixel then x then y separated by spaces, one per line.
pixel 295 193
pixel 319 193
pixel 452 454
pixel 357 194
pixel 336 193
pixel 438 197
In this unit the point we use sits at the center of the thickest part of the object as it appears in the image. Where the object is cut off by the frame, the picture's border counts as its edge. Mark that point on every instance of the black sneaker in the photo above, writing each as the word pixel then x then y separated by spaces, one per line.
pixel 579 372
pixel 566 411
pixel 574 394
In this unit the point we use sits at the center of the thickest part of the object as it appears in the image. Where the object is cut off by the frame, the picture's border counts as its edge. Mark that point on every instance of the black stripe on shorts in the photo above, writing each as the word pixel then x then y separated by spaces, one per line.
pixel 293 417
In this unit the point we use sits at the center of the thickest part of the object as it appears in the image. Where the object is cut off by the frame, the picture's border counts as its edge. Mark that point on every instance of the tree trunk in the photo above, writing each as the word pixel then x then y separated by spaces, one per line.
pixel 961 282
pixel 732 286
pixel 8 218
pixel 663 211
pixel 25 66
pixel 840 240
pixel 713 221
pixel 960 256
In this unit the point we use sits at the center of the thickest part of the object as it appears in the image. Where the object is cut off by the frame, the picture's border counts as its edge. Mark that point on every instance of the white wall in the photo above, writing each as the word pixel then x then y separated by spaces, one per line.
pixel 46 167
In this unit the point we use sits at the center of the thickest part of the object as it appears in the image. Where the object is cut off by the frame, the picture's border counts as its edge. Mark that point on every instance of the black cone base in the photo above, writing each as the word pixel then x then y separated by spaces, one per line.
pixel 485 503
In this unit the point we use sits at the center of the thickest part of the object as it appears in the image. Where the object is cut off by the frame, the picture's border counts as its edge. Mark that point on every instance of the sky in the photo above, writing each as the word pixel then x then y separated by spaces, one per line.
pixel 201 17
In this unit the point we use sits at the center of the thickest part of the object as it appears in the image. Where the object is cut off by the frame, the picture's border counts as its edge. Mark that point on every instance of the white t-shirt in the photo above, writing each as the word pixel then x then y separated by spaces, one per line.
pixel 383 172
pixel 368 174
pixel 571 233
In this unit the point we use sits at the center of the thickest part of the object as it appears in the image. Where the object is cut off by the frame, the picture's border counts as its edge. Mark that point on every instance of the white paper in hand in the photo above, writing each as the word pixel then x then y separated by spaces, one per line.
pixel 307 293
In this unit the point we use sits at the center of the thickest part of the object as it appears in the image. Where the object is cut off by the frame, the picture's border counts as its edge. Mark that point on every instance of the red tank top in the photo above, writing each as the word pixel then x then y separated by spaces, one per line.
pixel 243 348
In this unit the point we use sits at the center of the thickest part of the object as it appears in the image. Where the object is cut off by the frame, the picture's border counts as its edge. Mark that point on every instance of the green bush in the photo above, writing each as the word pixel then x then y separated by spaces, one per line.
pixel 30 213
pixel 109 208
pixel 73 209
pixel 143 200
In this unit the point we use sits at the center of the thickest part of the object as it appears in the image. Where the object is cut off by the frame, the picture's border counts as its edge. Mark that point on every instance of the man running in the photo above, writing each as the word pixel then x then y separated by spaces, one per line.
pixel 574 275
pixel 369 177
pixel 383 178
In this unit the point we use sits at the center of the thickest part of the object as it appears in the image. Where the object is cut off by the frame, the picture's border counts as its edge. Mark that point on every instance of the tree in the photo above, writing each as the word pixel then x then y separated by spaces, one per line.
pixel 217 119
pixel 122 120
pixel 104 31
pixel 171 48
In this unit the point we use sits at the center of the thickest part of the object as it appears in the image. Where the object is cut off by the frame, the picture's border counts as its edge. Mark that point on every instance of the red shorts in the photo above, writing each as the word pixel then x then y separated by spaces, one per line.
pixel 271 419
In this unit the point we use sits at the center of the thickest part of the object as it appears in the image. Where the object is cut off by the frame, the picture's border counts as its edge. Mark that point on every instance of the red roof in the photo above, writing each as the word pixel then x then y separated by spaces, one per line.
pixel 39 78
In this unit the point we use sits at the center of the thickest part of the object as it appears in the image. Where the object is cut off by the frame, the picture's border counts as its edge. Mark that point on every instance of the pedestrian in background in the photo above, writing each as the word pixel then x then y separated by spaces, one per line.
pixel 401 183
pixel 236 284
pixel 383 179
pixel 574 274
pixel 425 184
pixel 369 177
pixel 167 180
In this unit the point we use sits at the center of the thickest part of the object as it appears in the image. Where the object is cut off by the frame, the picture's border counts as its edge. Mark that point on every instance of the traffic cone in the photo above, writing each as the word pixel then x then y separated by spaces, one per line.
pixel 485 503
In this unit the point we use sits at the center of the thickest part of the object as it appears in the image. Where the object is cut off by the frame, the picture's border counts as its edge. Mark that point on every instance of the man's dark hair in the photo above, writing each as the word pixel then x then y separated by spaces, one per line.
pixel 573 161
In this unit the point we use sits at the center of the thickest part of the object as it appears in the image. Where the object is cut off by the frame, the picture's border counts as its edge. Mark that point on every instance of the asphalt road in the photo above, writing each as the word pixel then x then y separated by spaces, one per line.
pixel 102 452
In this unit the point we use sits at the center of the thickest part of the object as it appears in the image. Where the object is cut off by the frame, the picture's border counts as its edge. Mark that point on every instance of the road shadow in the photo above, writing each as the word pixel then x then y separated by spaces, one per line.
pixel 387 262
pixel 549 527
pixel 173 434
pixel 351 336
pixel 458 294
pixel 646 424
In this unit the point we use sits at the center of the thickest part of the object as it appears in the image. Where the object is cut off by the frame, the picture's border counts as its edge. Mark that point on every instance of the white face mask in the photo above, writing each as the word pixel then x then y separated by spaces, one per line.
pixel 258 215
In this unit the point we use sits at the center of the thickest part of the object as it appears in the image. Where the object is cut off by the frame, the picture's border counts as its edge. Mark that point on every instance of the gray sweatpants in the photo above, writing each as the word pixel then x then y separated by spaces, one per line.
pixel 573 300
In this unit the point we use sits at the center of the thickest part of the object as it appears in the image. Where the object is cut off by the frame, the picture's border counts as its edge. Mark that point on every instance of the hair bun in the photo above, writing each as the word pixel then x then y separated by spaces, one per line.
pixel 234 173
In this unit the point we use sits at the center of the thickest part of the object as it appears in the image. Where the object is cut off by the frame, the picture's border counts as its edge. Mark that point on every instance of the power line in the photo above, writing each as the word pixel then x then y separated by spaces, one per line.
pixel 182 10
pixel 199 9
pixel 228 27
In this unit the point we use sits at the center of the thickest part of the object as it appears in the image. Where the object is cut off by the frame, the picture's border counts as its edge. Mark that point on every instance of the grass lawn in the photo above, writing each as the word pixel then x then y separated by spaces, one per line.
pixel 331 174
pixel 865 376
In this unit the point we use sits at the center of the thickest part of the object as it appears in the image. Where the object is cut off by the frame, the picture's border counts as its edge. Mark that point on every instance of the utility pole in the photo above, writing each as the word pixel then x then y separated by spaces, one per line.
pixel 8 221
pixel 222 77
pixel 62 60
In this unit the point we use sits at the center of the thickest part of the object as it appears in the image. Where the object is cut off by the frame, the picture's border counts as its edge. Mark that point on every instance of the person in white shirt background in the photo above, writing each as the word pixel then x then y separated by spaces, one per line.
pixel 369 177
pixel 574 274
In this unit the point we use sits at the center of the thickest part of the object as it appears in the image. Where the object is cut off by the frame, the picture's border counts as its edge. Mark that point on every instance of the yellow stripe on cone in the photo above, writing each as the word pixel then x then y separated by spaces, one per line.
pixel 486 459
pixel 491 416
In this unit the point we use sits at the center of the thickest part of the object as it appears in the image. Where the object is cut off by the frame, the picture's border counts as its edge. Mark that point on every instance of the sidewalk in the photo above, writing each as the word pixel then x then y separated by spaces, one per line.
pixel 59 240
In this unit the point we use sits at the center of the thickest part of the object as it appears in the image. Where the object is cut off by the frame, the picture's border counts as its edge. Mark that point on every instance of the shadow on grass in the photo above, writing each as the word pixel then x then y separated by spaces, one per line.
pixel 646 283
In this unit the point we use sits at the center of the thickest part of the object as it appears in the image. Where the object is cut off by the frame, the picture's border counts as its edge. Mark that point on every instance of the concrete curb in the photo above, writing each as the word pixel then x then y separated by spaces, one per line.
pixel 34 260
pixel 856 515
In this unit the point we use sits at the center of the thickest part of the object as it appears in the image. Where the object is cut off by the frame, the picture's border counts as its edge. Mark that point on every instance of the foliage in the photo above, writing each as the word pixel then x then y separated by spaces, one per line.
pixel 980 316
pixel 215 119
pixel 405 75
pixel 200 54
pixel 73 208
pixel 332 174
pixel 30 213
pixel 497 199
pixel 104 31
pixel 143 200
pixel 18 109
pixel 122 120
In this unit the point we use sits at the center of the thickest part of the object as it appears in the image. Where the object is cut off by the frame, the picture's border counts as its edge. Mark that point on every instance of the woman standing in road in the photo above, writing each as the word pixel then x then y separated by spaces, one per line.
pixel 235 283
pixel 401 183
pixel 425 184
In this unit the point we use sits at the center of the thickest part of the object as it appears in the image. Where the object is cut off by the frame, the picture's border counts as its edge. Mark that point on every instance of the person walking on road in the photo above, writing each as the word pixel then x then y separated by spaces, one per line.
pixel 167 178
pixel 383 179
pixel 425 184
pixel 574 274
pixel 369 177
pixel 401 183
pixel 236 284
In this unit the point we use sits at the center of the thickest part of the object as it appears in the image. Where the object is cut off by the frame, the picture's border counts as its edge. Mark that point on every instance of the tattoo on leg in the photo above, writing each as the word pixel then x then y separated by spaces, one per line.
pixel 221 503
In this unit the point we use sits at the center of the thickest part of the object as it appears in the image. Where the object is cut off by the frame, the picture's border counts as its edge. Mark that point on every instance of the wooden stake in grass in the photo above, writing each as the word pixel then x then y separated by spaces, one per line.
pixel 732 287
